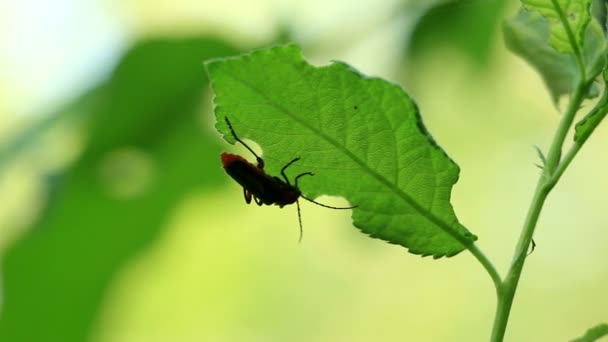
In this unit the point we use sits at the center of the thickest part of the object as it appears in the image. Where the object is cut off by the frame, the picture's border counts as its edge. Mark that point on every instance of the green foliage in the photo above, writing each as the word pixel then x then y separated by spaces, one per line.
pixel 595 50
pixel 145 124
pixel 469 26
pixel 594 333
pixel 568 20
pixel 579 56
pixel 529 35
pixel 362 137
pixel 69 112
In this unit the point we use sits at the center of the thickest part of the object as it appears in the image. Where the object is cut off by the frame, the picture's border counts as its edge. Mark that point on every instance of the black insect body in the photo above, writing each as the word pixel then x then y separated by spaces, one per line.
pixel 257 184
pixel 262 187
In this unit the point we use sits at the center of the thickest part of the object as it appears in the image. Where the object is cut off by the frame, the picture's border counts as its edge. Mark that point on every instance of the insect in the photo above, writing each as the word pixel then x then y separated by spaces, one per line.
pixel 262 187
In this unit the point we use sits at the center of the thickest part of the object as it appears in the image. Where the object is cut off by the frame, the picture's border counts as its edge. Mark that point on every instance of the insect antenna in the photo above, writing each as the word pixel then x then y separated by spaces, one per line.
pixel 313 201
pixel 325 205
pixel 258 159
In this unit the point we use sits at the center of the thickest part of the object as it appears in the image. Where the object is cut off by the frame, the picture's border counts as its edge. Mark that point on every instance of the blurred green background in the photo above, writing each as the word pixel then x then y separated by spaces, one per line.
pixel 117 222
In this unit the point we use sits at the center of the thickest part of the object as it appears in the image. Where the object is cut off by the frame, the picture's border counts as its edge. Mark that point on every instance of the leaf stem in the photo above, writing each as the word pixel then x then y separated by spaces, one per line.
pixel 550 176
pixel 485 262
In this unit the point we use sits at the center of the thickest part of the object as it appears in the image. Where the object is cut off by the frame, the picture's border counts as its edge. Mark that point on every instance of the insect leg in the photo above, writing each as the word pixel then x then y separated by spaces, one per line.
pixel 303 174
pixel 257 158
pixel 247 195
pixel 286 166
pixel 258 201
pixel 300 221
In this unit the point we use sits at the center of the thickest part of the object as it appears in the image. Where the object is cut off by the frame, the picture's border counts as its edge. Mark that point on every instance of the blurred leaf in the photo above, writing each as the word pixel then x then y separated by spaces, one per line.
pixel 563 15
pixel 573 30
pixel 146 125
pixel 469 25
pixel 73 110
pixel 528 34
pixel 363 137
pixel 594 333
pixel 598 11
pixel 595 49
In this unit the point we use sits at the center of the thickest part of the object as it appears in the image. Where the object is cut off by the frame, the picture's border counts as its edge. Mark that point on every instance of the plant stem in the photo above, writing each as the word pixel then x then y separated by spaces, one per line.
pixel 555 150
pixel 506 293
pixel 550 176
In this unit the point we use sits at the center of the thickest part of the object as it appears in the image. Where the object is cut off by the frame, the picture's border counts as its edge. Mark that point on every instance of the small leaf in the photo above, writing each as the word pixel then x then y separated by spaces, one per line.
pixel 362 137
pixel 541 156
pixel 594 333
pixel 576 15
pixel 595 50
pixel 528 34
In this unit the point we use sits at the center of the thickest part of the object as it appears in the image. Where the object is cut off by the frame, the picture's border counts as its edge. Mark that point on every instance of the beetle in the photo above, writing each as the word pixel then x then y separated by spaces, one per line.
pixel 263 188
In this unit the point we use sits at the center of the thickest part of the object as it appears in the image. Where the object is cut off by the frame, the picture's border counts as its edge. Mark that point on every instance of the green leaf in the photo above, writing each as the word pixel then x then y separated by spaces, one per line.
pixel 564 16
pixel 145 153
pixel 594 333
pixel 527 35
pixel 541 156
pixel 362 137
pixel 595 50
